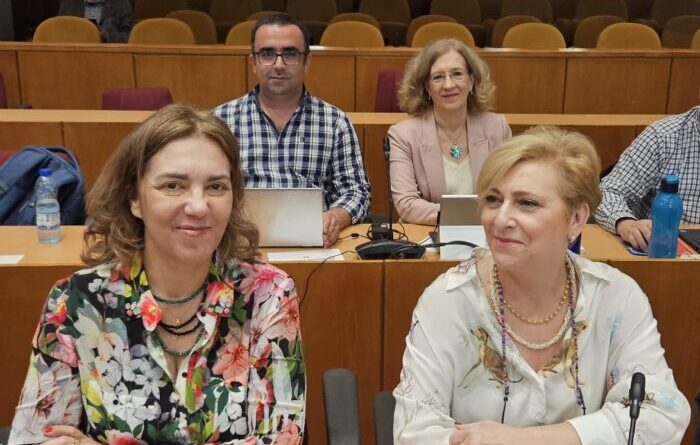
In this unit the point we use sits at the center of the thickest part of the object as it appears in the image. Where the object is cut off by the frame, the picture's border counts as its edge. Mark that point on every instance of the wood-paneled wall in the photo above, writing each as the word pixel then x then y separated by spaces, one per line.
pixel 56 76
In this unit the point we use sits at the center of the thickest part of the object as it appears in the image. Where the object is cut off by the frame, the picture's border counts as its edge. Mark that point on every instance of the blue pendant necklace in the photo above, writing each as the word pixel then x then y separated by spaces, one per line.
pixel 455 150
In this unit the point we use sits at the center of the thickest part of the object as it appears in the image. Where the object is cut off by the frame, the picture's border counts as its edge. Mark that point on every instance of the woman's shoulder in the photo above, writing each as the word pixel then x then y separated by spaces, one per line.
pixel 452 286
pixel 487 118
pixel 413 124
pixel 256 276
pixel 607 282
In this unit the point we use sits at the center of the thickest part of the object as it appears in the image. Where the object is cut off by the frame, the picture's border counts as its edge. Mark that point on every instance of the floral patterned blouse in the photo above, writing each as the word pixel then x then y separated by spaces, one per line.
pixel 97 364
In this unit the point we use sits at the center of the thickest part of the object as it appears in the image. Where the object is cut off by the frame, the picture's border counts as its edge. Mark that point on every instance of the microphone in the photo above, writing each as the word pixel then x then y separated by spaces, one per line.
pixel 387 247
pixel 636 396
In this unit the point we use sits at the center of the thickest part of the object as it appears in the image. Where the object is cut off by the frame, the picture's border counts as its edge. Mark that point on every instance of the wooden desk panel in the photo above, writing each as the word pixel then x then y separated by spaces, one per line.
pixel 16 135
pixel 684 87
pixel 72 80
pixel 631 85
pixel 375 165
pixel 528 85
pixel 93 144
pixel 205 81
pixel 23 291
pixel 368 68
pixel 10 74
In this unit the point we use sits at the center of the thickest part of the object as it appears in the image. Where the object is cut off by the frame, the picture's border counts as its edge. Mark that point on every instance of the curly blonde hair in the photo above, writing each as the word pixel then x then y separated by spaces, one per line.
pixel 571 154
pixel 113 232
pixel 413 94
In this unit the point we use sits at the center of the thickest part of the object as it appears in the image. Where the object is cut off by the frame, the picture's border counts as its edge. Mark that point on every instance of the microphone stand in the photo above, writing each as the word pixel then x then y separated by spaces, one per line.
pixel 381 249
pixel 636 395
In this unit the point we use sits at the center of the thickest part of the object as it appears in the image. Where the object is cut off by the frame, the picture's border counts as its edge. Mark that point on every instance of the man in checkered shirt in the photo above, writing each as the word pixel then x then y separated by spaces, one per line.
pixel 671 145
pixel 289 138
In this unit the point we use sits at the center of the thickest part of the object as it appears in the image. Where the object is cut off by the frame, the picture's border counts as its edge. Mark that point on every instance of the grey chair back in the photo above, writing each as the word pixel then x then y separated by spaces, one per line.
pixel 384 404
pixel 341 407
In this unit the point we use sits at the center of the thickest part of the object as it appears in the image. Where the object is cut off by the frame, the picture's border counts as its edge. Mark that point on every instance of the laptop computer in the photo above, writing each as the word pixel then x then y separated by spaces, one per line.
pixel 459 220
pixel 286 217
pixel 691 238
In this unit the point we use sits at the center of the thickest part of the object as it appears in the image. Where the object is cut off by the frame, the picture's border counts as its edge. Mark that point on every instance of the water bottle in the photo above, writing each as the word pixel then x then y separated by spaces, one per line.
pixel 666 211
pixel 48 212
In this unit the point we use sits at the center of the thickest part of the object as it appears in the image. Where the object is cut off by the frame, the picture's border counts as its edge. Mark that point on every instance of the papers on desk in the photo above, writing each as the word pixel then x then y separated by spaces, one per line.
pixel 306 255
pixel 474 234
pixel 10 259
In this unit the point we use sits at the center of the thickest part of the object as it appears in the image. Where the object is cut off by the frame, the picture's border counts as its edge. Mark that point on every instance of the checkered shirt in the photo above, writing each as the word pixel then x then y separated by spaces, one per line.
pixel 671 145
pixel 317 148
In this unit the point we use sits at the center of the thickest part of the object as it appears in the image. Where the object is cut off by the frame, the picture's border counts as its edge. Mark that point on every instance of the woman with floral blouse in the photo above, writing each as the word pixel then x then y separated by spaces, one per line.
pixel 175 334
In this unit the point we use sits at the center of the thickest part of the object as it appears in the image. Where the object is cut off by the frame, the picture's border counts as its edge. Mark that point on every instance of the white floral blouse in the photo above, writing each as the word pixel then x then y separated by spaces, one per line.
pixel 452 365
pixel 97 365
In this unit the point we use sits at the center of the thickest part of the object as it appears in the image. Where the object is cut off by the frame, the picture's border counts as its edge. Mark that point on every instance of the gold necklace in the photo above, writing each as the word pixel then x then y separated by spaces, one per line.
pixel 456 151
pixel 544 320
pixel 496 288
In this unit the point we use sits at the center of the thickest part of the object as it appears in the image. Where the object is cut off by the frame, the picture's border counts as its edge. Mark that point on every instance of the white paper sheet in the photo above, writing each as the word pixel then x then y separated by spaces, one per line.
pixel 10 259
pixel 306 255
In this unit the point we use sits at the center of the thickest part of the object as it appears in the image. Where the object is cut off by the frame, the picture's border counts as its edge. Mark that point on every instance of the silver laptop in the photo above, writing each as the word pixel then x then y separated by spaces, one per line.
pixel 286 217
pixel 460 220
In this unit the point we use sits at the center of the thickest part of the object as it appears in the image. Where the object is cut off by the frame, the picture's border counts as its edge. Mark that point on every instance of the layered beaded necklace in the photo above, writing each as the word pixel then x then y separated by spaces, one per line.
pixel 498 301
pixel 180 327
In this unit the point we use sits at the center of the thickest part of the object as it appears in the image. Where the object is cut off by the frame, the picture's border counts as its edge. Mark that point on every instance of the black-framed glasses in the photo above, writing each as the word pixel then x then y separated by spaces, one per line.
pixel 290 56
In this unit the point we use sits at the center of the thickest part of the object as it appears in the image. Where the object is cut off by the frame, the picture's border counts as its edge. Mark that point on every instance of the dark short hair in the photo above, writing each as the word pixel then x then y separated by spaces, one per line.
pixel 281 19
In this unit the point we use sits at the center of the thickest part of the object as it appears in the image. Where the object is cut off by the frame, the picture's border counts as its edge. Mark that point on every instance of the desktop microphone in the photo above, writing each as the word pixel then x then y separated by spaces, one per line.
pixel 636 396
pixel 381 249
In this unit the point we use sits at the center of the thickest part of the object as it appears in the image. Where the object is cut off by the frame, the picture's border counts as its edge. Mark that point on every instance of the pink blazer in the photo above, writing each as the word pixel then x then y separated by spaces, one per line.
pixel 415 161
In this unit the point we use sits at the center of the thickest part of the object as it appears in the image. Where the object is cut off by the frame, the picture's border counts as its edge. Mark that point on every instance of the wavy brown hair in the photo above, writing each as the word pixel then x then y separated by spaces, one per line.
pixel 113 232
pixel 413 93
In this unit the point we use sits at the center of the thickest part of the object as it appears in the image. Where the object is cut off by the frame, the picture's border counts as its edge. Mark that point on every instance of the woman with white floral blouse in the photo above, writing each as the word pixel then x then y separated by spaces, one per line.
pixel 175 334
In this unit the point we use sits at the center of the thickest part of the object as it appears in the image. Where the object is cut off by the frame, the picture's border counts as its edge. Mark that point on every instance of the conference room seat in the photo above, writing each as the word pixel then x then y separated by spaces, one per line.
pixel 161 31
pixel 387 99
pixel 341 407
pixel 664 10
pixel 315 15
pixel 67 29
pixel 423 20
pixel 695 43
pixel 534 36
pixel 679 31
pixel 383 408
pixel 201 24
pixel 541 9
pixel 264 13
pixel 227 13
pixel 588 30
pixel 591 8
pixel 240 33
pixel 355 17
pixel 440 30
pixel 466 12
pixel 393 17
pixel 153 98
pixel 504 24
pixel 628 36
pixel 352 35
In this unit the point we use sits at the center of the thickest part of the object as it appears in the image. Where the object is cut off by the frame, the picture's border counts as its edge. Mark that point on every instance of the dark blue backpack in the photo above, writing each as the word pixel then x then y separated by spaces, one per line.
pixel 19 174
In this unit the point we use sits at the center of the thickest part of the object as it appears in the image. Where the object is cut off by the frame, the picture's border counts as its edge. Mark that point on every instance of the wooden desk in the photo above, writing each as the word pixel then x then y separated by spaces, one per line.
pixel 50 76
pixel 93 134
pixel 355 313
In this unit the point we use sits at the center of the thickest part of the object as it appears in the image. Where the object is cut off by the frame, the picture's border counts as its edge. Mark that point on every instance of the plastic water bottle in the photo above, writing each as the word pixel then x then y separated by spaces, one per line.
pixel 48 212
pixel 666 211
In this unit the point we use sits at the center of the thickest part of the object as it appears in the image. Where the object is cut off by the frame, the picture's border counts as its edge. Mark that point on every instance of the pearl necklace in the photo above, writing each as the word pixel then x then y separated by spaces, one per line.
pixel 543 320
pixel 497 289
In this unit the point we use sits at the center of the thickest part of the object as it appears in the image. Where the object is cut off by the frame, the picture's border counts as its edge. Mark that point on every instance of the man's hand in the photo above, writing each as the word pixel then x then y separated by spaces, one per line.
pixel 334 220
pixel 66 435
pixel 635 232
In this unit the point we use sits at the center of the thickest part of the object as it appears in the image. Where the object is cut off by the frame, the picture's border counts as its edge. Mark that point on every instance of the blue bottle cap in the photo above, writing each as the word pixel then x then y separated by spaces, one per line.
pixel 669 184
pixel 45 172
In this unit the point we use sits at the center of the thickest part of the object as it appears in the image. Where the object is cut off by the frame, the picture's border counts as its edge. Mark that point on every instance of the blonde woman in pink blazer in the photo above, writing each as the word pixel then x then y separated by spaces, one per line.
pixel 447 90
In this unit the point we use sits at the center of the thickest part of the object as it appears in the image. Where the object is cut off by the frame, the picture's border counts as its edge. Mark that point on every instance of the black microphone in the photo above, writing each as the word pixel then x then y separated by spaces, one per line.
pixel 636 396
pixel 381 249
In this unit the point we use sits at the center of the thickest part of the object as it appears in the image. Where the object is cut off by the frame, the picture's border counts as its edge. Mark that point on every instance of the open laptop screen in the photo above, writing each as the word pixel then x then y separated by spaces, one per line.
pixel 286 217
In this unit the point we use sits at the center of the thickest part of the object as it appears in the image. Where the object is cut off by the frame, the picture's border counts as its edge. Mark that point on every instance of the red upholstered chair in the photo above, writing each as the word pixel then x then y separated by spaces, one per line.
pixel 3 96
pixel 5 155
pixel 153 98
pixel 387 99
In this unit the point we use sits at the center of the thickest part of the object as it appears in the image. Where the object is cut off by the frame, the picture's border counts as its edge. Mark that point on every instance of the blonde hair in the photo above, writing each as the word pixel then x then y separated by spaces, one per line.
pixel 572 154
pixel 413 95
pixel 113 232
